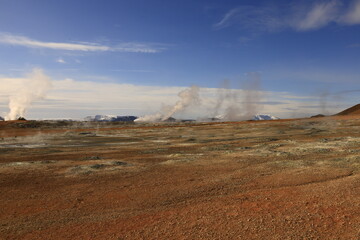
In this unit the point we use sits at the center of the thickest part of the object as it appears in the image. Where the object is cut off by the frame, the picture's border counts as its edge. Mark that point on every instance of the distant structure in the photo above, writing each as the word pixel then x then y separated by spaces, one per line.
pixel 21 119
pixel 109 118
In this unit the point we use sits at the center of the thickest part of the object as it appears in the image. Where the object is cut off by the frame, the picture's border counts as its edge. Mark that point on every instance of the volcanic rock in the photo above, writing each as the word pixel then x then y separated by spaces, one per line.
pixel 109 118
pixel 170 119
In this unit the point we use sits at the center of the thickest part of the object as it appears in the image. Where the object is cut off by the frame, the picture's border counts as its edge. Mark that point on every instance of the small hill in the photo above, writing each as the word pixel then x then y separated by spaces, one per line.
pixel 318 116
pixel 1 119
pixel 354 110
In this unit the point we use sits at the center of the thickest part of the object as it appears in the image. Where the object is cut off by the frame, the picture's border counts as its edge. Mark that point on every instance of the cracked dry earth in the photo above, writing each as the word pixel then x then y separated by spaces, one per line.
pixel 284 179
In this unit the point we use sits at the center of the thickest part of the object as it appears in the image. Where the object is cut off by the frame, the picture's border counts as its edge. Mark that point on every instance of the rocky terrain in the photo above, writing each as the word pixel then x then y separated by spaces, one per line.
pixel 278 179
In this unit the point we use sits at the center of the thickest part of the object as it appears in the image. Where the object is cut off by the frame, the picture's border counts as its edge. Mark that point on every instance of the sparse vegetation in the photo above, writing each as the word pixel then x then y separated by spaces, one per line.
pixel 241 175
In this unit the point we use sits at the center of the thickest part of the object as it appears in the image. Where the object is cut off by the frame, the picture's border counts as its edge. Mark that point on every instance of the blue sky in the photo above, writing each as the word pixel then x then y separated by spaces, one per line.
pixel 300 48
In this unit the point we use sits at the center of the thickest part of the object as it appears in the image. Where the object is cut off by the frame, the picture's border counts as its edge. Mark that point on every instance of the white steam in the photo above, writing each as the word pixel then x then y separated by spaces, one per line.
pixel 239 104
pixel 150 118
pixel 35 88
pixel 188 97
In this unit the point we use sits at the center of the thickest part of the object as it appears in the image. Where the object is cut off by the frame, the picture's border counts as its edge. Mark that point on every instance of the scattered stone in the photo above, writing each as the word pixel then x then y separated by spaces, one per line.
pixel 85 133
pixel 97 166
pixel 119 163
pixel 92 158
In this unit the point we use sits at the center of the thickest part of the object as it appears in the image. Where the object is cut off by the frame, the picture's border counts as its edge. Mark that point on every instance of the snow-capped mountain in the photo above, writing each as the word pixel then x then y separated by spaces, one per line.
pixel 100 118
pixel 110 118
pixel 257 117
pixel 260 117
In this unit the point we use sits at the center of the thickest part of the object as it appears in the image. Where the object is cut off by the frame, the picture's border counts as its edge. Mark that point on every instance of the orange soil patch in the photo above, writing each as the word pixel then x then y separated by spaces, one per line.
pixel 286 179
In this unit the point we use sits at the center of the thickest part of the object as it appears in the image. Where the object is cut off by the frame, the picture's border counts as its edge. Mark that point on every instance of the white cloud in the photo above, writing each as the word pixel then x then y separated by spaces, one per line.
pixel 353 14
pixel 60 60
pixel 10 39
pixel 27 42
pixel 292 16
pixel 320 15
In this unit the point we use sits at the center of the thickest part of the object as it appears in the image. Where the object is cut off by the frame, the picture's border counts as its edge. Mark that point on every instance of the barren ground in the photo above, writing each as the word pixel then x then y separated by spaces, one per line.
pixel 286 179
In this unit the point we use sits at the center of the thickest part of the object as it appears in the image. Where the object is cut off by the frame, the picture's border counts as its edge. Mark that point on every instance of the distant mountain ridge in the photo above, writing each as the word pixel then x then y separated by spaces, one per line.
pixel 2 119
pixel 260 117
pixel 110 118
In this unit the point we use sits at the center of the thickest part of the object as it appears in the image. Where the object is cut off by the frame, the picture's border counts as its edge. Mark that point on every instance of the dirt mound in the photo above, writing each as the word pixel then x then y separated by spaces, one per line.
pixel 354 110
pixel 318 115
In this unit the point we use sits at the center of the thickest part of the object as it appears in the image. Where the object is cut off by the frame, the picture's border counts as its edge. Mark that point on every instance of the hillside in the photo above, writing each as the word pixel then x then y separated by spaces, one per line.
pixel 354 110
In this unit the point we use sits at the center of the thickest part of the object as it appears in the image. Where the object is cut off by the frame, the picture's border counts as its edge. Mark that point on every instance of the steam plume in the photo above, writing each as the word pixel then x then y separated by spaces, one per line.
pixel 240 105
pixel 252 95
pixel 187 98
pixel 35 87
pixel 323 102
pixel 224 93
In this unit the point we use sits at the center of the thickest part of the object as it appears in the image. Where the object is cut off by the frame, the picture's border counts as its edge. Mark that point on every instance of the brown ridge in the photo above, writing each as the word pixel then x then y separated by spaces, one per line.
pixel 354 110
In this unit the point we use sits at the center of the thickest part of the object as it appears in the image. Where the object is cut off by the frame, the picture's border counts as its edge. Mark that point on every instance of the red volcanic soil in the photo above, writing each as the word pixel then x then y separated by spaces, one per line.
pixel 286 179
pixel 354 110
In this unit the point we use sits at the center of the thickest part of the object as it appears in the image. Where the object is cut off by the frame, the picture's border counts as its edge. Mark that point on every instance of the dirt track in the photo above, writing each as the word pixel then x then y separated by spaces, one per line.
pixel 289 179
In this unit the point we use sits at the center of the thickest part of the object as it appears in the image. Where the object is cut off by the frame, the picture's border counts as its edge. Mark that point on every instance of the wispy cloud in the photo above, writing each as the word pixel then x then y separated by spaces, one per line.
pixel 293 16
pixel 60 60
pixel 263 18
pixel 137 48
pixel 353 14
pixel 355 45
pixel 6 38
pixel 311 75
pixel 228 18
pixel 133 70
pixel 319 15
pixel 10 39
